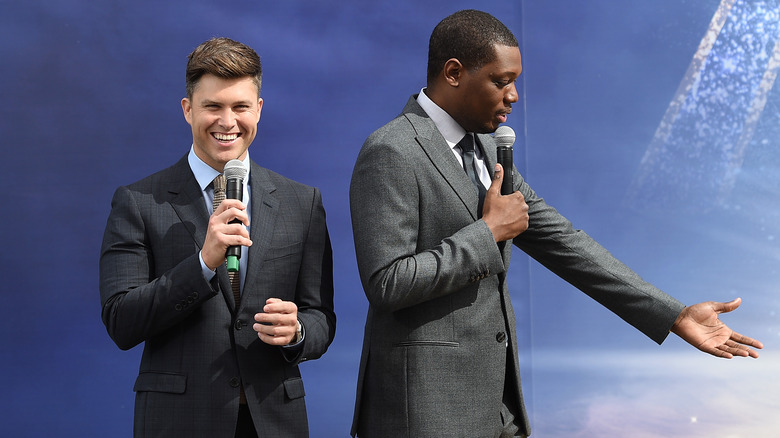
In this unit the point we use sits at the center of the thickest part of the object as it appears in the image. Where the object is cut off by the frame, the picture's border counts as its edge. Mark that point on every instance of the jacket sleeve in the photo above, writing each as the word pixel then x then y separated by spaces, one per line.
pixel 577 258
pixel 385 197
pixel 138 303
pixel 314 291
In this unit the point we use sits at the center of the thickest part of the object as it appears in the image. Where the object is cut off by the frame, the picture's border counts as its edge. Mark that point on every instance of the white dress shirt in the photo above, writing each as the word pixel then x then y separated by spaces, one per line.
pixel 454 133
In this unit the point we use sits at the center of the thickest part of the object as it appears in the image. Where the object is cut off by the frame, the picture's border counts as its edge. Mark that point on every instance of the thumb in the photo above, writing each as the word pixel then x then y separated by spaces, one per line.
pixel 727 307
pixel 498 177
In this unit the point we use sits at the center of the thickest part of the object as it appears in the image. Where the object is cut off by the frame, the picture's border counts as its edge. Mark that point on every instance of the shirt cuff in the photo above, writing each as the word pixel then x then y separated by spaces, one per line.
pixel 208 274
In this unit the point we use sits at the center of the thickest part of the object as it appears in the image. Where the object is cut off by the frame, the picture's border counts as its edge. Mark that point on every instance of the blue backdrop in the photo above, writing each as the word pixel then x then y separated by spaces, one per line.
pixel 651 124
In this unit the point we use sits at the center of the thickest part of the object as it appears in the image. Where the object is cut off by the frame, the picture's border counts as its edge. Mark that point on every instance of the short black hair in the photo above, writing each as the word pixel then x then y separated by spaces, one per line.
pixel 469 36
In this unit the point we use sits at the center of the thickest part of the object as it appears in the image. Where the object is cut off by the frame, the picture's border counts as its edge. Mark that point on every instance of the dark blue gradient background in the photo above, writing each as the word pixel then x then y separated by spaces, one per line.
pixel 90 101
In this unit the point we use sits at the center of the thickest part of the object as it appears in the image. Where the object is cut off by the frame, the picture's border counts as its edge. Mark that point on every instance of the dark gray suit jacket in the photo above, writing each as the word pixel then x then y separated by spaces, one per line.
pixel 440 331
pixel 198 348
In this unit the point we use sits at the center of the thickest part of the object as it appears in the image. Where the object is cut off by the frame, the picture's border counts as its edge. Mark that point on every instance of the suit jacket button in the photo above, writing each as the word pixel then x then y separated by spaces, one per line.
pixel 501 337
pixel 178 307
pixel 235 382
pixel 239 324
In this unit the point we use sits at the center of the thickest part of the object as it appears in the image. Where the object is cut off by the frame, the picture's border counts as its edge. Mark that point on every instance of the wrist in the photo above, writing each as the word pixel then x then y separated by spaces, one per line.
pixel 676 326
pixel 298 333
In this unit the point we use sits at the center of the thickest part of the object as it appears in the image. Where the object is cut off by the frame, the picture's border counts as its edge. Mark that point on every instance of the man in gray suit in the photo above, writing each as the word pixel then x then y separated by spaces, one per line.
pixel 163 280
pixel 440 352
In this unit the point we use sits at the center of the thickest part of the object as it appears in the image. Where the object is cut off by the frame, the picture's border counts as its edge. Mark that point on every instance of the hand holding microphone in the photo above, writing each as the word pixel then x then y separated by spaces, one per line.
pixel 235 173
pixel 227 230
pixel 505 211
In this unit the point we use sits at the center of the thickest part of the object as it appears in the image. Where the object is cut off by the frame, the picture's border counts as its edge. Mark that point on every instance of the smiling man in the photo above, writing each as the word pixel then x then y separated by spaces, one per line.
pixel 221 350
pixel 433 238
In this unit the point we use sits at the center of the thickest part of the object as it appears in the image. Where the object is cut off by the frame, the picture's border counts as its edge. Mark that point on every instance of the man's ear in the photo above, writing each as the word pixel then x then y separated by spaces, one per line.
pixel 452 71
pixel 186 108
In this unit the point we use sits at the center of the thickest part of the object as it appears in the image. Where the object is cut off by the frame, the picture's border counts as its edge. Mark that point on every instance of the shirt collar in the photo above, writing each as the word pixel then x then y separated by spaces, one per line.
pixel 447 126
pixel 204 173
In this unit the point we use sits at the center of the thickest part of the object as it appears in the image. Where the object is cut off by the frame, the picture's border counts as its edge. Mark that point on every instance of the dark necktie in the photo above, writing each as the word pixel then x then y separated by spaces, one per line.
pixel 219 185
pixel 470 166
pixel 219 196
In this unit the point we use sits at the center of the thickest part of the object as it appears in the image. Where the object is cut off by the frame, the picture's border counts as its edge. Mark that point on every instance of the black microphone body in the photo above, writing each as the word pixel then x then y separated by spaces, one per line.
pixel 234 189
pixel 504 154
pixel 234 172
pixel 505 138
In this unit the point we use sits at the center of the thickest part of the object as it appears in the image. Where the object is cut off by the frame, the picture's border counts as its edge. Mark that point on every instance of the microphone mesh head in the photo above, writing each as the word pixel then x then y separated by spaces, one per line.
pixel 234 169
pixel 504 136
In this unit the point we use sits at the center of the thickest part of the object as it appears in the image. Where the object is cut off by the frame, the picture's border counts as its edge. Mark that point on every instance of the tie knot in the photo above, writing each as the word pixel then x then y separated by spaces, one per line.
pixel 467 143
pixel 219 182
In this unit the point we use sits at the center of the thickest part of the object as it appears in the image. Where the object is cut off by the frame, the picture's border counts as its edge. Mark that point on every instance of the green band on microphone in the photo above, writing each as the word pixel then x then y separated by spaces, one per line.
pixel 232 263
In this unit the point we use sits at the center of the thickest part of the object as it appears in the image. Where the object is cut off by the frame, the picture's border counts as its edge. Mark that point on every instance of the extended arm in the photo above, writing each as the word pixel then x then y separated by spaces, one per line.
pixel 577 258
pixel 581 261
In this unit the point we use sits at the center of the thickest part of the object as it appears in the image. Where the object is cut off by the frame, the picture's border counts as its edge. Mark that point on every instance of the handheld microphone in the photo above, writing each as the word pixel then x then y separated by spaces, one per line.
pixel 505 138
pixel 234 172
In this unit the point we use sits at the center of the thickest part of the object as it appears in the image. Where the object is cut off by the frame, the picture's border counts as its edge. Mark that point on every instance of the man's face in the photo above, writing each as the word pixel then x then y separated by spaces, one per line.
pixel 223 114
pixel 487 95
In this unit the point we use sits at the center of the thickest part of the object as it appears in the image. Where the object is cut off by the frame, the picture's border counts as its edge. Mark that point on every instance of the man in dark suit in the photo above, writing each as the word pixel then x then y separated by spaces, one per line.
pixel 163 280
pixel 440 351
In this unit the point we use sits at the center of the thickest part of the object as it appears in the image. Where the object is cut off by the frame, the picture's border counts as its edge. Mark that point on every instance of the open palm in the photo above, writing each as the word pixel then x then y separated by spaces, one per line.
pixel 700 326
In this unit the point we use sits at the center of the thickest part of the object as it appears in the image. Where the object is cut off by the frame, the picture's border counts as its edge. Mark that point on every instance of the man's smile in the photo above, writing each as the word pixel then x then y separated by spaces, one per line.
pixel 221 137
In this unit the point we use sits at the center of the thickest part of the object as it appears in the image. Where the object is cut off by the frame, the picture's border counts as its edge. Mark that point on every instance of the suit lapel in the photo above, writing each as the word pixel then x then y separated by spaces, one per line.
pixel 265 209
pixel 186 199
pixel 440 154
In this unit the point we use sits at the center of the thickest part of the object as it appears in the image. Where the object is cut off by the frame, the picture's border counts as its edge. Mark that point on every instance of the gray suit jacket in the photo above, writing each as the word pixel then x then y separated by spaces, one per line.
pixel 440 333
pixel 198 348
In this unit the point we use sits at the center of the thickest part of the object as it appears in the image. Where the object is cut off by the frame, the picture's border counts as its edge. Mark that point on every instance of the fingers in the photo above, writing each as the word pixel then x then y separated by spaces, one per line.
pixel 721 352
pixel 730 349
pixel 737 345
pixel 230 218
pixel 278 323
pixel 505 215
pixel 231 209
pixel 223 232
pixel 275 335
pixel 275 305
pixel 745 340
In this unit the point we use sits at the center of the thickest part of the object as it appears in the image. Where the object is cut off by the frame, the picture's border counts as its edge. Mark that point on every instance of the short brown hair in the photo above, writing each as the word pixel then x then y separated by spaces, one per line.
pixel 224 58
